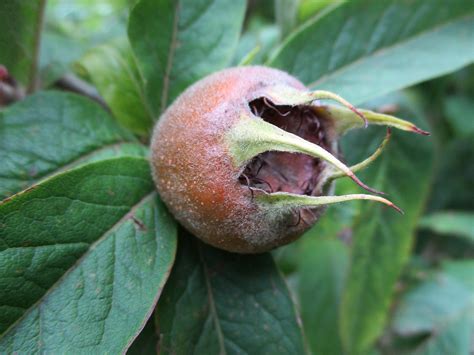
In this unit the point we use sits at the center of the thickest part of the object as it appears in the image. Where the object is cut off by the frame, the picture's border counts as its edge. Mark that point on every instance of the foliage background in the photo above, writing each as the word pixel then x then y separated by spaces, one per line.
pixel 87 247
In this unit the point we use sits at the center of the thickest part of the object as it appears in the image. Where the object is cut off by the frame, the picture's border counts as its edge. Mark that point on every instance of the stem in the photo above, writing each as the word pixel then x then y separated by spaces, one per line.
pixel 34 77
pixel 71 82
pixel 365 163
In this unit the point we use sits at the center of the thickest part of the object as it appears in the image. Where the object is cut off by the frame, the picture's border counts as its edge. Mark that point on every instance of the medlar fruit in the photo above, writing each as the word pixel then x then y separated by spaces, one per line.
pixel 245 158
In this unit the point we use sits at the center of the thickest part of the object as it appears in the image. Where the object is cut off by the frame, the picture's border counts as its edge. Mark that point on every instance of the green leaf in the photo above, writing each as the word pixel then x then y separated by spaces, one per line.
pixel 458 110
pixel 52 131
pixel 147 341
pixel 454 184
pixel 459 224
pixel 366 48
pixel 73 27
pixel 112 69
pixel 20 31
pixel 309 8
pixel 258 40
pixel 461 270
pixel 58 52
pixel 286 15
pixel 216 302
pixel 177 42
pixel 83 258
pixel 382 239
pixel 322 269
pixel 429 310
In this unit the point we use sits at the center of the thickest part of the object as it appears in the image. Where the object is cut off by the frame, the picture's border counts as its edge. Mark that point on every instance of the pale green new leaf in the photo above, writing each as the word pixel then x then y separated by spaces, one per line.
pixel 112 69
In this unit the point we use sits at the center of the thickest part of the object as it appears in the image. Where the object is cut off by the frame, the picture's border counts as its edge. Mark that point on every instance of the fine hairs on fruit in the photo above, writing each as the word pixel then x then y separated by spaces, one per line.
pixel 245 158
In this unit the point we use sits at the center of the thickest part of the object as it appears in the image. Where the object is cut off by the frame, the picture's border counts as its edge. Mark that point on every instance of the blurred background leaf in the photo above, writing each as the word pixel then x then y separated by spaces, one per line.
pixel 147 341
pixel 111 67
pixel 260 36
pixel 286 13
pixel 382 238
pixel 460 224
pixel 20 36
pixel 322 271
pixel 310 8
pixel 73 27
pixel 438 313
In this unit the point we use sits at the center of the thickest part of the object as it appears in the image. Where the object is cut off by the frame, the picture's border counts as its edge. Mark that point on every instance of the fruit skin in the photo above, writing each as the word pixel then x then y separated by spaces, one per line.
pixel 195 174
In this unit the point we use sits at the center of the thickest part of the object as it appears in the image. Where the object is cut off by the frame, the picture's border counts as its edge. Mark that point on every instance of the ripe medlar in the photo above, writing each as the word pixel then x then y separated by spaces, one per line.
pixel 245 158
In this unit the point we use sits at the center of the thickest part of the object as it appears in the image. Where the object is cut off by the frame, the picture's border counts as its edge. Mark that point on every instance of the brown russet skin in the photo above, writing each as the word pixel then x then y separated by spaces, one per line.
pixel 196 176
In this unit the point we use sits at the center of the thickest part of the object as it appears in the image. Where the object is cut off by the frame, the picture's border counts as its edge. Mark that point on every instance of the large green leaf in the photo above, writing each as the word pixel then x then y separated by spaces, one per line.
pixel 216 302
pixel 83 258
pixel 458 111
pixel 177 42
pixel 20 30
pixel 440 309
pixel 52 131
pixel 112 69
pixel 459 224
pixel 286 15
pixel 259 38
pixel 309 8
pixel 73 27
pixel 454 184
pixel 365 48
pixel 382 238
pixel 146 343
pixel 322 269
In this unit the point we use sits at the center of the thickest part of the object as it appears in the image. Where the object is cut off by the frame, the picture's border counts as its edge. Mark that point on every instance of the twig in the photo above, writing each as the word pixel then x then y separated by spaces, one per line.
pixel 34 75
pixel 71 82
pixel 10 93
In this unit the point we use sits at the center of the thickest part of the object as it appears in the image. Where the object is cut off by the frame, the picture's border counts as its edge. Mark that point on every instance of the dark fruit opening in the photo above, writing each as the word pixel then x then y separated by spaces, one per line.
pixel 281 171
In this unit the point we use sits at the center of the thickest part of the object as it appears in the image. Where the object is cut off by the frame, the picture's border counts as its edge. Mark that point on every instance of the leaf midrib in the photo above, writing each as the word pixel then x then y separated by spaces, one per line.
pixel 69 165
pixel 91 248
pixel 381 50
pixel 212 303
pixel 170 58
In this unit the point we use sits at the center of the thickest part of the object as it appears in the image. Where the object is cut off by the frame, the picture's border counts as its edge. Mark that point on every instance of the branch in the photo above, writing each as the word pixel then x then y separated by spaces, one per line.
pixel 34 75
pixel 71 82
